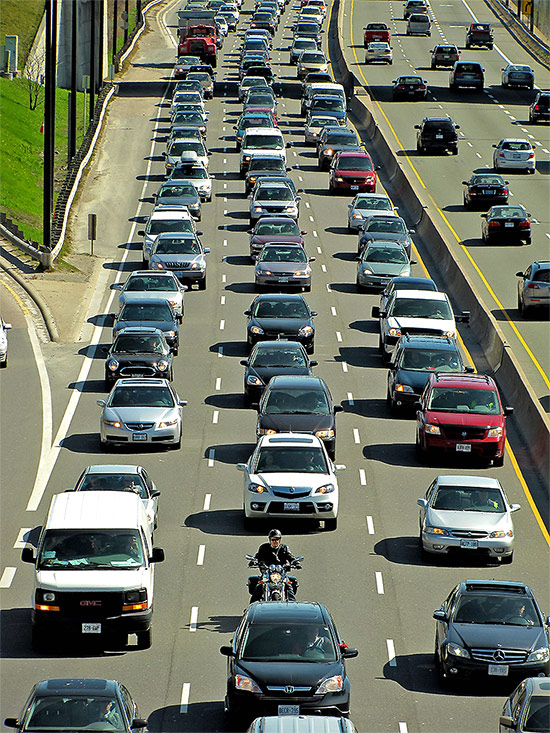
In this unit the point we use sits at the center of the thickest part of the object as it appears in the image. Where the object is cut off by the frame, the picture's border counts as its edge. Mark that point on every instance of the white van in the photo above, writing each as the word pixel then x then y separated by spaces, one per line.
pixel 419 25
pixel 94 570
pixel 261 138
pixel 332 90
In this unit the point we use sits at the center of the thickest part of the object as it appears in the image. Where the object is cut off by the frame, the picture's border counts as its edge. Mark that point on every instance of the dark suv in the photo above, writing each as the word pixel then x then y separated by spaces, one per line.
pixel 466 74
pixel 334 139
pixel 437 133
pixel 413 360
pixel 138 352
pixel 491 628
pixel 443 55
pixel 462 414
pixel 539 111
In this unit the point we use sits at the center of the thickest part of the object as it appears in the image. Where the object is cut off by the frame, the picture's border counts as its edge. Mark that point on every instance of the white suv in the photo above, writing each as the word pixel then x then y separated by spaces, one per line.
pixel 261 138
pixel 175 220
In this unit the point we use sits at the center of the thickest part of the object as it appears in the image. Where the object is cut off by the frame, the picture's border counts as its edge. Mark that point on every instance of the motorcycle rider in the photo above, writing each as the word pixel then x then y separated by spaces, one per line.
pixel 274 552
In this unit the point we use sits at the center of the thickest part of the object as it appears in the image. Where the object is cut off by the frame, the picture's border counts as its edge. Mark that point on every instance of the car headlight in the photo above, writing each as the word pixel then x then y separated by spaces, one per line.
pixel 169 164
pixel 331 684
pixel 246 158
pixel 329 151
pixel 326 489
pixel 174 304
pixel 112 364
pixel 290 209
pixel 256 330
pixel 495 433
pixel 339 179
pixel 394 332
pixel 198 265
pixel 356 216
pixel 245 683
pixel 263 271
pixel 436 530
pixel 458 651
pixel 254 381
pixel 112 423
pixel 252 179
pixel 157 265
pixel 366 271
pixel 265 431
pixel 539 655
pixel 170 334
pixel 257 209
pixel 257 488
pixel 303 273
pixel 403 388
pixel 47 596
pixel 162 365
pixel 168 423
pixel 325 434
pixel 451 333
pixel 194 207
pixel 432 429
pixel 501 533
pixel 305 331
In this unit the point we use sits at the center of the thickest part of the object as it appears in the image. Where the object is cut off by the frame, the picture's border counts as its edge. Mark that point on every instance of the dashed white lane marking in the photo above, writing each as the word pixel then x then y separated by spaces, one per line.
pixel 311 218
pixel 300 178
pixel 218 384
pixel 333 310
pixel 470 144
pixel 344 366
pixel 225 161
pixel 391 653
pixel 224 278
pixel 324 268
pixel 319 251
pixel 194 618
pixel 314 233
pixel 531 137
pixel 308 206
pixel 210 459
pixel 370 525
pixel 184 701
pixel 548 235
pixel 225 212
pixel 356 438
pixel 403 727
pixel 545 151
pixel 22 538
pixel 7 577
pixel 207 499
pixel 222 300
pixel 215 417
pixel 222 325
pixel 362 477
pixel 350 399
pixel 524 130
pixel 338 337
pixel 478 155
pixel 379 583
pixel 225 199
pixel 294 153
pixel 200 555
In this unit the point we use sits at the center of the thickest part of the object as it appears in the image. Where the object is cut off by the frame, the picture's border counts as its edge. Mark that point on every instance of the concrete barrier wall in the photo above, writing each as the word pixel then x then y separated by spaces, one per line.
pixel 529 416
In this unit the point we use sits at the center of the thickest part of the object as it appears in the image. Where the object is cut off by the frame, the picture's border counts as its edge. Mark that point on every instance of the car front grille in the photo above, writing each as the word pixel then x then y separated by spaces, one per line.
pixel 90 606
pixel 422 331
pixel 464 432
pixel 140 425
pixel 284 691
pixel 291 492
pixel 469 534
pixel 499 656
pixel 177 265
pixel 137 371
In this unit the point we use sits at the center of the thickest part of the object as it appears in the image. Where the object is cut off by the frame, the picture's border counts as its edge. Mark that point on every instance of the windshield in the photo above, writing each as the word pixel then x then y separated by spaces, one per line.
pixel 389 226
pixel 113 482
pixel 151 282
pixel 421 308
pixel 274 194
pixel 421 360
pixel 312 58
pixel 261 121
pixel 290 460
pixel 373 203
pixel 279 358
pixel 178 191
pixel 127 396
pixel 355 163
pixel 78 712
pixel 385 254
pixel 134 344
pixel 273 142
pixel 482 401
pixel 177 247
pixel 486 609
pixel 288 642
pixel 535 717
pixel 281 309
pixel 283 254
pixel 71 549
pixel 200 76
pixel 297 402
pixel 148 312
pixel 284 227
pixel 469 499
pixel 159 226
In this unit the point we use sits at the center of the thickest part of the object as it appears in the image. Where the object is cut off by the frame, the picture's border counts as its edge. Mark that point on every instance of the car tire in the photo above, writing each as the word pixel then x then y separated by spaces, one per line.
pixel 453 87
pixel 454 150
pixel 507 559
pixel 108 385
pixel 249 524
pixel 4 364
pixel 331 524
pixel 420 149
pixel 531 171
pixel 498 462
pixel 420 452
pixel 311 348
pixel 202 283
pixel 307 288
pixel 145 639
pixel 433 66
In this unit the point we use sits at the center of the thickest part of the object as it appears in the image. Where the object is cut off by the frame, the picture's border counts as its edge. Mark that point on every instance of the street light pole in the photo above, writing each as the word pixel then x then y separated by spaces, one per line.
pixel 46 200
pixel 92 60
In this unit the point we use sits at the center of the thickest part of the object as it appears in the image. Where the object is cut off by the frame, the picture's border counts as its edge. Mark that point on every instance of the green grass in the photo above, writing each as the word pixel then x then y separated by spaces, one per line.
pixel 21 154
pixel 21 18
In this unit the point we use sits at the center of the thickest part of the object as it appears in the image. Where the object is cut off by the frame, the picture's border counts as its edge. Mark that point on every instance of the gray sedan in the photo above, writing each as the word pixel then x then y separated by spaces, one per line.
pixel 518 75
pixel 179 194
pixel 368 204
pixel 182 254
pixel 380 262
pixel 141 411
pixel 283 265
pixel 467 513
pixel 534 287
pixel 385 227
pixel 143 285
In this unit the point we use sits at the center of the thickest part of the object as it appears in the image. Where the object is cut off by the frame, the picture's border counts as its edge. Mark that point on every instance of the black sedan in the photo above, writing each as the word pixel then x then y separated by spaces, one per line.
pixel 409 87
pixel 270 359
pixel 485 188
pixel 138 352
pixel 282 315
pixel 298 404
pixel 503 223
pixel 78 704
pixel 154 313
pixel 287 658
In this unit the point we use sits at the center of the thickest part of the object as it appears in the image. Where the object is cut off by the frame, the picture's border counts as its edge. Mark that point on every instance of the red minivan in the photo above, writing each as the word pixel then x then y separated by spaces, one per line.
pixel 462 414
pixel 352 171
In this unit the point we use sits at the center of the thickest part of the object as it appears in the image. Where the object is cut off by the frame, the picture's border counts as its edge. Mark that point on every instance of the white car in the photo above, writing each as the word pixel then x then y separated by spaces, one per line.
pixel 290 475
pixel 368 204
pixel 514 153
pixel 378 51
pixel 177 220
pixel 467 514
pixel 4 343
pixel 264 139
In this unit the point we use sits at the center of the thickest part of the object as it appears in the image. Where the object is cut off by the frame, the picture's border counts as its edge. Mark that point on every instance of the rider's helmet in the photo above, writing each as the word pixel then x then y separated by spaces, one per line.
pixel 274 534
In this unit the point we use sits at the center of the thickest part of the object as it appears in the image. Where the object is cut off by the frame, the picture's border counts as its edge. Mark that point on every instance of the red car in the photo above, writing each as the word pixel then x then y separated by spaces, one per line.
pixel 352 171
pixel 274 229
pixel 462 414
pixel 376 32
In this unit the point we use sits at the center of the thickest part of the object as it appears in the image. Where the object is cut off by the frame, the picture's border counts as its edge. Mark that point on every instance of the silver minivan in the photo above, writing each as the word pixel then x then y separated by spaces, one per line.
pixel 419 25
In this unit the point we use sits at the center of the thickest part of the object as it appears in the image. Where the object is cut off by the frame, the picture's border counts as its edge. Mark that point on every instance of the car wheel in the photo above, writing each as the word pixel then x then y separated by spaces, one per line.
pixel 311 348
pixel 465 203
pixel 498 462
pixel 420 451
pixel 248 524
pixel 453 87
pixel 454 150
pixel 108 384
pixel 331 524
pixel 175 350
pixel 507 559
pixel 202 283
pixel 531 170
pixel 433 66
pixel 4 364
pixel 420 148
pixel 467 45
pixel 307 288
pixel 177 444
pixel 145 639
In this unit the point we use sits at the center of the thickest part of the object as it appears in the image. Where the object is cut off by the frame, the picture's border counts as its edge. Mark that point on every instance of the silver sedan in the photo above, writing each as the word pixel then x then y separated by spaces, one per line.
pixel 141 411
pixel 467 513
pixel 518 75
pixel 283 265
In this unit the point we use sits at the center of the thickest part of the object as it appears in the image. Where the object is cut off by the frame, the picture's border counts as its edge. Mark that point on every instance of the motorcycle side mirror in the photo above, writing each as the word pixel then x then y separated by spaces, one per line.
pixel 227 651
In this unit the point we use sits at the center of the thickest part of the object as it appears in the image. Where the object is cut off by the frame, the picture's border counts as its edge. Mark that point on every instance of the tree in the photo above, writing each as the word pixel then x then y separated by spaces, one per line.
pixel 34 79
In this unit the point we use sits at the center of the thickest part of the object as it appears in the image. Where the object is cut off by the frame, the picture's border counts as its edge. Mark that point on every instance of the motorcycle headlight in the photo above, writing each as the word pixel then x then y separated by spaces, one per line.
pixel 458 651
pixel 305 331
pixel 331 684
pixel 162 365
pixel 432 429
pixel 495 433
pixel 167 423
pixel 326 489
pixel 245 683
pixel 112 364
pixel 325 433
pixel 539 655
pixel 403 388
pixel 254 381
pixel 256 330
pixel 257 488
pixel 394 332
pixel 275 577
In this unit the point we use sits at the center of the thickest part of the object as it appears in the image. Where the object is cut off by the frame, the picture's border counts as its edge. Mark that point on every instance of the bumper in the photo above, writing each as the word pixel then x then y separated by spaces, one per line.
pixel 257 705
pixel 490 547
pixel 57 623
pixel 256 507
pixel 516 164
pixel 366 186
pixel 306 341
pixel 507 235
pixel 377 282
pixel 113 435
pixel 283 282
pixel 457 668
pixel 487 449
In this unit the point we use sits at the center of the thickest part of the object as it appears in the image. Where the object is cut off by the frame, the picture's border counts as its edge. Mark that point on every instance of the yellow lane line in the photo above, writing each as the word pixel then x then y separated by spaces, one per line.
pixel 17 298
pixel 509 450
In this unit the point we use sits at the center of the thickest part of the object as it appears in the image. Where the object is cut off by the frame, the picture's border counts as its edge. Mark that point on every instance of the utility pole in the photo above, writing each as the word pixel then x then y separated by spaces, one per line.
pixel 92 60
pixel 115 23
pixel 46 201
pixel 53 81
pixel 126 21
pixel 73 96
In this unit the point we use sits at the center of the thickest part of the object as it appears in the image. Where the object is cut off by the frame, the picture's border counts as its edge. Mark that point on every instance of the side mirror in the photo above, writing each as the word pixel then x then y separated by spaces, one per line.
pixel 483 216
pixel 243 362
pixel 414 262
pixel 11 723
pixel 515 507
pixel 255 406
pixel 464 183
pixel 339 466
pixel 303 232
pixel 182 403
pixel 375 310
pixel 313 363
pixel 348 652
pixel 506 721
pixel 158 555
pixel 417 127
pixel 199 233
pixel 248 313
pixel 469 370
pixel 154 493
pixel 422 502
pixel 338 408
pixel 206 250
pixel 311 259
pixel 494 146
pixel 314 313
pixel 457 127
pixel 27 555
pixel 287 145
pixel 440 615
pixel 101 403
pixel 241 466
pixel 520 274
pixel 417 406
pixel 508 411
pixel 227 651
pixel 141 232
pixel 464 317
pixel 139 723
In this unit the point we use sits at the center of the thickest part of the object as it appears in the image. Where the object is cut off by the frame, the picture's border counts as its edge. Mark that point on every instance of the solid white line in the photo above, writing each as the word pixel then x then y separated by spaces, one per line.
pixel 356 438
pixel 207 500
pixel 344 366
pixel 193 619
pixel 379 583
pixel 362 477
pixel 184 702
pixel 370 525
pixel 22 538
pixel 215 417
pixel 222 300
pixel 222 325
pixel 200 554
pixel 210 459
pixel 218 384
pixel 350 398
pixel 7 577
pixel 333 310
pixel 391 653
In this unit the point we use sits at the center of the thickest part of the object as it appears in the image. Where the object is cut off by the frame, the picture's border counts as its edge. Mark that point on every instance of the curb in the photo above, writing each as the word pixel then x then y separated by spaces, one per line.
pixel 39 302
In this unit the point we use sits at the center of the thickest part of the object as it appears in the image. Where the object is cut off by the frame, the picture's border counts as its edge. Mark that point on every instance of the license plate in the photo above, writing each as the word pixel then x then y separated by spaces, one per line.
pixel 517 156
pixel 508 224
pixel 354 188
pixel 291 506
pixel 487 192
pixel 439 137
pixel 463 448
pixel 283 279
pixel 288 710
pixel 468 544
pixel 499 670
pixel 91 628
pixel 411 91
pixel 139 436
pixel 445 56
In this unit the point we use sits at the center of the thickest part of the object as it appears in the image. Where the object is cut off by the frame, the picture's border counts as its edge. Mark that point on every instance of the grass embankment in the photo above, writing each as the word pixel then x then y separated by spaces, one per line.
pixel 21 18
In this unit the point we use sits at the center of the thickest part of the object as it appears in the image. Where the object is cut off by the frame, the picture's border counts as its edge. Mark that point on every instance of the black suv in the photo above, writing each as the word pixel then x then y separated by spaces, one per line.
pixel 437 133
pixel 491 627
pixel 539 111
pixel 412 362
pixel 332 140
pixel 467 74
pixel 444 56
pixel 280 643
pixel 138 352
pixel 300 404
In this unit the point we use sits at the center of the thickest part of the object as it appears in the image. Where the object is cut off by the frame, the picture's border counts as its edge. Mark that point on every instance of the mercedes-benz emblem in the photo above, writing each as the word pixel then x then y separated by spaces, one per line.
pixel 499 656
pixel 289 689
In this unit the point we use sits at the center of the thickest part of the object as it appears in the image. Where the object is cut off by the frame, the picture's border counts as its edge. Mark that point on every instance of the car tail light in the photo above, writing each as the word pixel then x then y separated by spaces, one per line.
pixel 533 286
pixel 494 223
pixel 505 191
pixel 422 86
pixel 531 155
pixel 525 224
pixel 401 86
pixel 502 155
pixel 537 107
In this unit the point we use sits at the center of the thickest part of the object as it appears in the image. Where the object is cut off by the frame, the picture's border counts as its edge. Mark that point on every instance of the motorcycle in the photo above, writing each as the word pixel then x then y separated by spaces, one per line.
pixel 276 584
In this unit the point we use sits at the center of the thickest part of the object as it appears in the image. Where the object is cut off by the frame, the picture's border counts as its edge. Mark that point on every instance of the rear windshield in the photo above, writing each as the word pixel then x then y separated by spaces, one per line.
pixel 469 68
pixel 445 49
pixel 542 276
pixel 438 125
pixel 419 19
pixel 355 163
pixel 510 212
pixel 516 145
